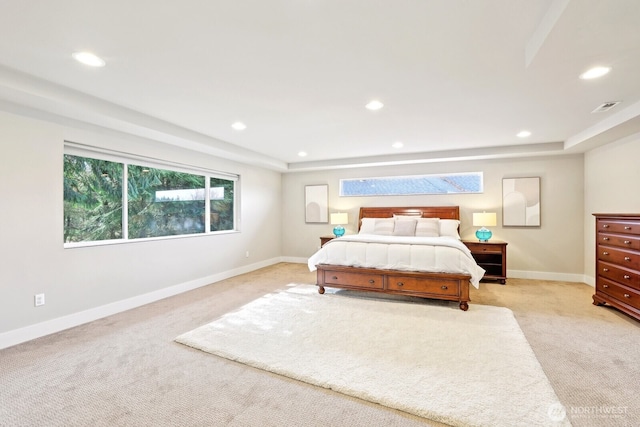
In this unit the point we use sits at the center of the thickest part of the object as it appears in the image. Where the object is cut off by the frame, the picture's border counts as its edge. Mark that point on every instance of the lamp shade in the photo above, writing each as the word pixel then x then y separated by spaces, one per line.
pixel 484 219
pixel 339 218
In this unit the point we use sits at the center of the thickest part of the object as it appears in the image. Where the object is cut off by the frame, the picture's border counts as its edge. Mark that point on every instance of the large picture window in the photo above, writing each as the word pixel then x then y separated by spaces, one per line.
pixel 155 202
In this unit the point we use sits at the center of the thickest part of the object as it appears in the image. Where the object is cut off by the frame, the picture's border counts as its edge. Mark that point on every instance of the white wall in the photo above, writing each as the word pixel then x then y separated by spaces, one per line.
pixel 552 251
pixel 33 259
pixel 612 183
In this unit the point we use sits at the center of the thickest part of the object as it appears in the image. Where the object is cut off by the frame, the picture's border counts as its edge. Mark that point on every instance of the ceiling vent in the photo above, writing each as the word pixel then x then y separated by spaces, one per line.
pixel 606 106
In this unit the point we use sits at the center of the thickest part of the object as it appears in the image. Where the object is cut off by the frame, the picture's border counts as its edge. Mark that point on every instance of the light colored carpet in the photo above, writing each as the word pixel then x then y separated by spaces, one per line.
pixel 471 368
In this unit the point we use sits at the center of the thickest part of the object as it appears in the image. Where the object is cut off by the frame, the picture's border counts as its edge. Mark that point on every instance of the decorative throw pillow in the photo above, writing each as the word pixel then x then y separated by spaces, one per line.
pixel 367 226
pixel 384 227
pixel 449 228
pixel 428 227
pixel 416 216
pixel 405 227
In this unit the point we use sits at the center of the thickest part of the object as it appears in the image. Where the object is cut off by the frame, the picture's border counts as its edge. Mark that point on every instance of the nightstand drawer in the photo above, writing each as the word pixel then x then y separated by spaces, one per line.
pixel 483 248
pixel 325 239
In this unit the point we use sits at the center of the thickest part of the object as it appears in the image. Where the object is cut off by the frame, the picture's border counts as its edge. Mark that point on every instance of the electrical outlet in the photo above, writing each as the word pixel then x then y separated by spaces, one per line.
pixel 246 254
pixel 38 300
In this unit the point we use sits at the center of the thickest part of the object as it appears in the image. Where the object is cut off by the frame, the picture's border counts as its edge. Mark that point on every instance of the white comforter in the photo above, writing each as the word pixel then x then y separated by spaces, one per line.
pixel 432 254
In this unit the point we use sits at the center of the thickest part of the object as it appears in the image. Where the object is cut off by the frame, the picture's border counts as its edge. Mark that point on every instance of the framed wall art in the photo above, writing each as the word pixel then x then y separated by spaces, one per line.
pixel 316 203
pixel 521 202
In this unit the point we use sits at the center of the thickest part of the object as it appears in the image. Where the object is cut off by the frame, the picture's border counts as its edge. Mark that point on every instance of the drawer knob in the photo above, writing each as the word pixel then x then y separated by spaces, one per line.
pixel 400 284
pixel 627 296
pixel 372 281
pixel 605 226
pixel 605 269
pixel 335 277
pixel 626 276
pixel 627 242
pixel 627 258
pixel 605 253
pixel 605 239
pixel 605 286
pixel 444 288
pixel 626 227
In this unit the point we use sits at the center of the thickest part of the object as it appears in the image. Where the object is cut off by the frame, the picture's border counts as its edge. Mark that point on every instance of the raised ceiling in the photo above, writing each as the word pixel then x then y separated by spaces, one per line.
pixel 458 78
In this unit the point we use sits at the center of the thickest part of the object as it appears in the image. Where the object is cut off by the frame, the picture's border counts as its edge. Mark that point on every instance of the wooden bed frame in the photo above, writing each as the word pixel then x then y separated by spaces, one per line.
pixel 442 286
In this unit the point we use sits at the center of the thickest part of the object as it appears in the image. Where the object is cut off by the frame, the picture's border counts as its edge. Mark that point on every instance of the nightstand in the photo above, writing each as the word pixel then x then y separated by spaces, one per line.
pixel 325 239
pixel 492 256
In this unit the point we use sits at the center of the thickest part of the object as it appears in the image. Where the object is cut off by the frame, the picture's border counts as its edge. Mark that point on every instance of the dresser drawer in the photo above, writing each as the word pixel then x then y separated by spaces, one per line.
pixel 618 226
pixel 619 274
pixel 364 280
pixel 629 242
pixel 621 293
pixel 412 284
pixel 622 257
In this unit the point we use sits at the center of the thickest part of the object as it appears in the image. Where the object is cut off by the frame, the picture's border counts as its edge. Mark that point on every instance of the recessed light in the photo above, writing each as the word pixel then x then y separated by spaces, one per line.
pixel 374 105
pixel 239 126
pixel 302 153
pixel 397 144
pixel 594 73
pixel 88 58
pixel 523 134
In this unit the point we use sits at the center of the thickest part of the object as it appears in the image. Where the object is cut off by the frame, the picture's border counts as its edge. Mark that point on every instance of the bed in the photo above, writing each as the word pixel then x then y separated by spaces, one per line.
pixel 413 251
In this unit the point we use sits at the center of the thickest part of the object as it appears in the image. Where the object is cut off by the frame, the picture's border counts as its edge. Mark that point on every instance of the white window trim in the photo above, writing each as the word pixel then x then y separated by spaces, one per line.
pixel 82 150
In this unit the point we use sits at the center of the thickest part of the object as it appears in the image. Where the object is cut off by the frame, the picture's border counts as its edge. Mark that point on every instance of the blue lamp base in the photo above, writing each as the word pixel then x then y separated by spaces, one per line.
pixel 484 234
pixel 338 230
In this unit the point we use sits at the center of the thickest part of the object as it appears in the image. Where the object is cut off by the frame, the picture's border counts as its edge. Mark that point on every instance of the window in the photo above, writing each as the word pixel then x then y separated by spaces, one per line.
pixel 92 199
pixel 455 183
pixel 156 202
pixel 221 197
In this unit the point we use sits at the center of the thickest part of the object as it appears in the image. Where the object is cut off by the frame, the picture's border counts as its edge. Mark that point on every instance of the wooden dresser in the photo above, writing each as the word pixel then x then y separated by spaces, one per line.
pixel 618 262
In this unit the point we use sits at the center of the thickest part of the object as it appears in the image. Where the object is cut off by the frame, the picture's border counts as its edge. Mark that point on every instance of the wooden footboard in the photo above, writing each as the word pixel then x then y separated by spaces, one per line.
pixel 442 286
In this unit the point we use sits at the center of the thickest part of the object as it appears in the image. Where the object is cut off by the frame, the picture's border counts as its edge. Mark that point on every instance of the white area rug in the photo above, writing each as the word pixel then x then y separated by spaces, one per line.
pixel 471 368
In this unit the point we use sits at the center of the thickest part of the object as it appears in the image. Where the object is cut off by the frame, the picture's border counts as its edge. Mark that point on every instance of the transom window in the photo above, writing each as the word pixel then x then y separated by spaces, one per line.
pixel 452 183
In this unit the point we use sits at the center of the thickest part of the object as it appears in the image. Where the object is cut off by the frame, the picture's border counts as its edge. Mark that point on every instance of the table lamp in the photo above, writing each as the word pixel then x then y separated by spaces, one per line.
pixel 338 219
pixel 484 219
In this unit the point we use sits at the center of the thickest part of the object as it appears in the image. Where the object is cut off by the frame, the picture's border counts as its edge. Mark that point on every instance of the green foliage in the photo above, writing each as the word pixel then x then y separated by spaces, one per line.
pixel 92 199
pixel 222 210
pixel 160 202
pixel 150 216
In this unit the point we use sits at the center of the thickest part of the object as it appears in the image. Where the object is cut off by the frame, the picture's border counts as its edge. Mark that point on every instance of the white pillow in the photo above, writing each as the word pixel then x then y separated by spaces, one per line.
pixel 367 225
pixel 384 227
pixel 449 228
pixel 405 227
pixel 428 227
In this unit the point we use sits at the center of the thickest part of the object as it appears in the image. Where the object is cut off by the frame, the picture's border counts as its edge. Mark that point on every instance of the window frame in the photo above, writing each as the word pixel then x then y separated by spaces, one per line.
pixel 128 159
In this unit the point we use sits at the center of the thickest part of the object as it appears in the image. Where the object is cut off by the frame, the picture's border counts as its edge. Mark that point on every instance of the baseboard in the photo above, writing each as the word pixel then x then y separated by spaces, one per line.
pixel 546 275
pixel 17 336
pixel 295 260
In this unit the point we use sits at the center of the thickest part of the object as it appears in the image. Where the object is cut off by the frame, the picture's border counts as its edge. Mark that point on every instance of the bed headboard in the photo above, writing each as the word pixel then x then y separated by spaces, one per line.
pixel 444 212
